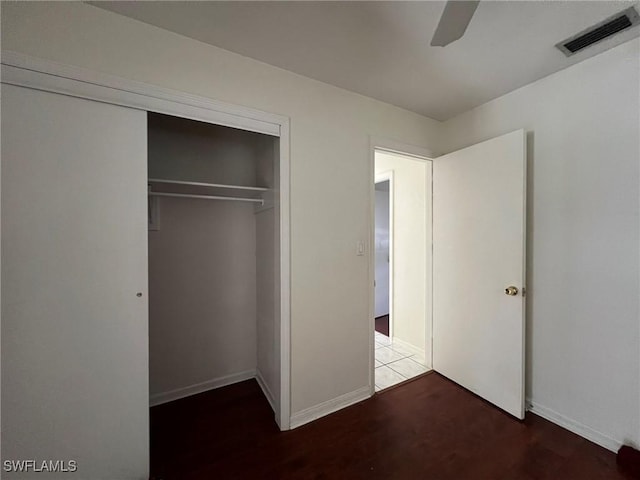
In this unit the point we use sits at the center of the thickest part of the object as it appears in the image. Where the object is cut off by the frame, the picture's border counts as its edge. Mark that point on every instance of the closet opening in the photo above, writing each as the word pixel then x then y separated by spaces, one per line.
pixel 214 268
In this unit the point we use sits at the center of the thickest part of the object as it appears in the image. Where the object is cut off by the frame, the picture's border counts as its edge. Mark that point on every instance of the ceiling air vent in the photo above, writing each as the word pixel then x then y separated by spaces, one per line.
pixel 610 26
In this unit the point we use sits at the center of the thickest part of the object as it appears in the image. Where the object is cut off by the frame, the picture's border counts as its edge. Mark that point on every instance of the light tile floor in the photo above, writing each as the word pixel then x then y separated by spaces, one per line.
pixel 395 363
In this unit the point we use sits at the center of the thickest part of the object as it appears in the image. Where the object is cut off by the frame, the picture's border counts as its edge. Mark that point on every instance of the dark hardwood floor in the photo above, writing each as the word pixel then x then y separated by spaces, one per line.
pixel 382 325
pixel 427 428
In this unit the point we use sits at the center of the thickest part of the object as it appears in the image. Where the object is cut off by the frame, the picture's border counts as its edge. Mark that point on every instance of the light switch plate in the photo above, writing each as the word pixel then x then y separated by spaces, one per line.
pixel 360 250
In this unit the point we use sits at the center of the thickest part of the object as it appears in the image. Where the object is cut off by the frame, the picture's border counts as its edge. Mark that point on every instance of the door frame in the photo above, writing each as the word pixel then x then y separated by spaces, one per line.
pixel 25 71
pixel 414 152
pixel 386 176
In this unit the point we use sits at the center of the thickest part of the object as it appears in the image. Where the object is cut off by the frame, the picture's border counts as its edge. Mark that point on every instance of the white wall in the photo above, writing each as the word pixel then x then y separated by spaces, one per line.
pixel 411 241
pixel 268 278
pixel 329 145
pixel 202 294
pixel 267 294
pixel 181 149
pixel 382 252
pixel 583 263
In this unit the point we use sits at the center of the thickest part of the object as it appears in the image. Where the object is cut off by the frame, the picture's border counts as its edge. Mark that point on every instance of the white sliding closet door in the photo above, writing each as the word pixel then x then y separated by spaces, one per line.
pixel 74 258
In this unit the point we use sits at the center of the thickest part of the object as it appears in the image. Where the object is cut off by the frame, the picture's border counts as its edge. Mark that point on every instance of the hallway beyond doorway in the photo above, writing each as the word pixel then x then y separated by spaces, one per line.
pixel 395 362
pixel 401 267
pixel 382 325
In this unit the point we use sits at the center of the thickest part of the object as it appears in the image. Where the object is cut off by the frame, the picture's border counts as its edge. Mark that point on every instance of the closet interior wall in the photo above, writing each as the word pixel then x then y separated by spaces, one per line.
pixel 213 278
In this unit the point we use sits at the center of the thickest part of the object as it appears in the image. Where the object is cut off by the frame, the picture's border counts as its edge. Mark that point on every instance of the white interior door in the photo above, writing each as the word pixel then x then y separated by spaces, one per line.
pixel 479 252
pixel 74 258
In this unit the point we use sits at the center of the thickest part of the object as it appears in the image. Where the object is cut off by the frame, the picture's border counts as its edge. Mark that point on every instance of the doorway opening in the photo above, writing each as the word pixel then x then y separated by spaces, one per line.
pixel 402 267
pixel 382 254
pixel 458 265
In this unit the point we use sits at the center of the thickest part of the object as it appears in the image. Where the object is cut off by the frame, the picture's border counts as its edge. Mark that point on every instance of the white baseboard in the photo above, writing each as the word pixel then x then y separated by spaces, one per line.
pixel 573 426
pixel 325 408
pixel 171 395
pixel 266 390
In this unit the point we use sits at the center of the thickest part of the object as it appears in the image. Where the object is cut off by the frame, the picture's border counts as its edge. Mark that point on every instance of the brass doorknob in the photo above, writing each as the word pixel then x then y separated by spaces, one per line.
pixel 511 291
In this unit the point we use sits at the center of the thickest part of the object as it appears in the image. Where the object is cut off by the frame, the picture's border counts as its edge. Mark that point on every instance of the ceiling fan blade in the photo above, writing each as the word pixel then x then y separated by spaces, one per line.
pixel 454 21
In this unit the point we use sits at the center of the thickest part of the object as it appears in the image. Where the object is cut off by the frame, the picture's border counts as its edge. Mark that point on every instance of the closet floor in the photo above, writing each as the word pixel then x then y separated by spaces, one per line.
pixel 395 363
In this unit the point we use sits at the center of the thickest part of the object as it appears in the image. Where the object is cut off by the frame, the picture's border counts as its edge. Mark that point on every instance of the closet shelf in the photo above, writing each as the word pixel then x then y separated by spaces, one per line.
pixel 205 191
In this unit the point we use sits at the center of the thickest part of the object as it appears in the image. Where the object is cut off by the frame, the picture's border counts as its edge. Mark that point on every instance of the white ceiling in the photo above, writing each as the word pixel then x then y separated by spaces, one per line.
pixel 381 49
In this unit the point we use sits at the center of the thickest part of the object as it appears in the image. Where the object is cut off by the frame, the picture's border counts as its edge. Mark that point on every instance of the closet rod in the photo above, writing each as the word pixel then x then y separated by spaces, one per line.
pixel 201 184
pixel 206 197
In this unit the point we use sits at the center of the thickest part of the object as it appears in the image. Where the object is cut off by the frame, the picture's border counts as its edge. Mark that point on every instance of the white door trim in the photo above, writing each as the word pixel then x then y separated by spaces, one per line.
pixel 25 71
pixel 418 153
pixel 383 177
